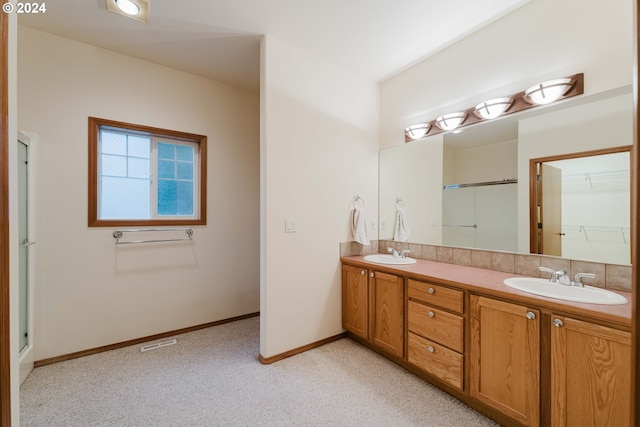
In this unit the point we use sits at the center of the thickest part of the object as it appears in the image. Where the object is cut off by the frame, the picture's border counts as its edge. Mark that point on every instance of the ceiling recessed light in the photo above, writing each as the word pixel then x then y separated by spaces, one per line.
pixel 134 9
pixel 129 7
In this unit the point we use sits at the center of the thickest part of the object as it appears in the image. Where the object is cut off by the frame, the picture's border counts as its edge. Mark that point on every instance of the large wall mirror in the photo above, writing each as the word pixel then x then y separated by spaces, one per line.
pixel 471 189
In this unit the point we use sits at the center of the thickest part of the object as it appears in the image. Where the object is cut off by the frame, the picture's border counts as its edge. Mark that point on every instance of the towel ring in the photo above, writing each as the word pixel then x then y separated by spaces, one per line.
pixel 357 199
pixel 399 203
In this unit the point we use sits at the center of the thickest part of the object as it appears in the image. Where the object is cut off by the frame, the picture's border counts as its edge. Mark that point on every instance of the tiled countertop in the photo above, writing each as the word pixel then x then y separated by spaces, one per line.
pixel 490 283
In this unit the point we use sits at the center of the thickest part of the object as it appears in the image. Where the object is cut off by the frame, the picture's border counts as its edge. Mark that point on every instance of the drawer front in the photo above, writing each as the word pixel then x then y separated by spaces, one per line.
pixel 450 299
pixel 439 361
pixel 437 325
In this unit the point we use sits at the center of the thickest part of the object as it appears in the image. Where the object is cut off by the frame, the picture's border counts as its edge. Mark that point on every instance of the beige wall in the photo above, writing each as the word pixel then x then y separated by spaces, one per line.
pixel 91 293
pixel 542 39
pixel 319 148
pixel 492 162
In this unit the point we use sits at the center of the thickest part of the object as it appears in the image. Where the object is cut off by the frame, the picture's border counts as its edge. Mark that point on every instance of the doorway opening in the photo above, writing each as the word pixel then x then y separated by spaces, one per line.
pixel 580 205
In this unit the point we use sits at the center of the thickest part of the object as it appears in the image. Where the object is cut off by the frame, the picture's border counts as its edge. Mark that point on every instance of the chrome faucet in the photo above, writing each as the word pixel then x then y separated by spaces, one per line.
pixel 397 254
pixel 577 281
pixel 562 277
pixel 557 276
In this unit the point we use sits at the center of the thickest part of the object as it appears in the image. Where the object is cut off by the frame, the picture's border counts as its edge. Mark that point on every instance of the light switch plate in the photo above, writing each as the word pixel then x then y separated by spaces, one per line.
pixel 290 225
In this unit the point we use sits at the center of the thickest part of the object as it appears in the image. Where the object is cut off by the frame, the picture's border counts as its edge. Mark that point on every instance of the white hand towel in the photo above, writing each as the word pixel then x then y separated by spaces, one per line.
pixel 359 226
pixel 401 230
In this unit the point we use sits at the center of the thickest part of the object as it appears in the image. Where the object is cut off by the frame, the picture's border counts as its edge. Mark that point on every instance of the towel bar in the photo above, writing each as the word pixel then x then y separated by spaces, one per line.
pixel 357 199
pixel 117 234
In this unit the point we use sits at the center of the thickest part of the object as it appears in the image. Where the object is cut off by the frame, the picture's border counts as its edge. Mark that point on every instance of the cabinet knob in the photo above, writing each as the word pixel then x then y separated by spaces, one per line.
pixel 432 291
pixel 371 274
pixel 432 314
pixel 363 272
pixel 557 323
pixel 431 349
pixel 531 315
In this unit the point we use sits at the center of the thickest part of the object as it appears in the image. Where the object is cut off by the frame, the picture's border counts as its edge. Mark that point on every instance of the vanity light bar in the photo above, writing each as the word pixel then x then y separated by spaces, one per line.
pixel 514 103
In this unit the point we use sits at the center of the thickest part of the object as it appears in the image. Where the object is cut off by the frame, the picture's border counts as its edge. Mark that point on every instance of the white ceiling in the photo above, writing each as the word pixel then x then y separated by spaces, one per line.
pixel 220 39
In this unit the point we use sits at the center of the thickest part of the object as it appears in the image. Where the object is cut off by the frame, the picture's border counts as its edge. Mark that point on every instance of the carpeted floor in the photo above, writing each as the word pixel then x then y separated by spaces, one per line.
pixel 212 378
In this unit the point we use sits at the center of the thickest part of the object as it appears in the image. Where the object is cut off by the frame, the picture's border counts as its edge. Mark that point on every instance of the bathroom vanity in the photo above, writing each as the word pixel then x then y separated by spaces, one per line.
pixel 521 359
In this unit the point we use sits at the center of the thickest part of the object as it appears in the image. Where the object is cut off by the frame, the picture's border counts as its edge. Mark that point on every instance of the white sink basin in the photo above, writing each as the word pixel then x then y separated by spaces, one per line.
pixel 388 259
pixel 543 287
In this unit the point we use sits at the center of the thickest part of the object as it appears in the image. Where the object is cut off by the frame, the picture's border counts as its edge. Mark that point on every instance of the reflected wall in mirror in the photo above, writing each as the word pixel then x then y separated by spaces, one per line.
pixel 479 196
pixel 580 205
pixel 413 173
pixel 418 171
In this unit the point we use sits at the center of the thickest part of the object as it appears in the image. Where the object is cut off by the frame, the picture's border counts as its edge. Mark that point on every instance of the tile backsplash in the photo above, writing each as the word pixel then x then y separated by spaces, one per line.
pixel 610 276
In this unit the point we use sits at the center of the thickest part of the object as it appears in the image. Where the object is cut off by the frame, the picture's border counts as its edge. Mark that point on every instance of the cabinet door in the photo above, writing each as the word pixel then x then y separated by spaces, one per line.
pixel 505 358
pixel 590 374
pixel 388 319
pixel 355 300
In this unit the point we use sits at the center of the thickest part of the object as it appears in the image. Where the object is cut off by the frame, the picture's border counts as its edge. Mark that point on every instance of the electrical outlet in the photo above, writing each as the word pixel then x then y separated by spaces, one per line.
pixel 383 224
pixel 372 224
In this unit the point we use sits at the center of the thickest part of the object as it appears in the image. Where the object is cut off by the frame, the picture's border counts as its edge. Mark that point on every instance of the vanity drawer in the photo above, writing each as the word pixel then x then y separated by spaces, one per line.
pixel 447 298
pixel 437 325
pixel 439 361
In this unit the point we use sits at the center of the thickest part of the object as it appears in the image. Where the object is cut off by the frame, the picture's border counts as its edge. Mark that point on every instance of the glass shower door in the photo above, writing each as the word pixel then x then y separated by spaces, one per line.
pixel 481 216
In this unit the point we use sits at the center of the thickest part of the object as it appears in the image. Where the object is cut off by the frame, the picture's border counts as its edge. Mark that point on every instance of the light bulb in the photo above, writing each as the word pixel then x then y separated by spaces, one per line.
pixel 417 131
pixel 128 6
pixel 450 121
pixel 547 92
pixel 493 108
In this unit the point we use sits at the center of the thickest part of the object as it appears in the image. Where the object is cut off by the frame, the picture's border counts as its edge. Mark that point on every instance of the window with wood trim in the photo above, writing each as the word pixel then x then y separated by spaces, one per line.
pixel 140 175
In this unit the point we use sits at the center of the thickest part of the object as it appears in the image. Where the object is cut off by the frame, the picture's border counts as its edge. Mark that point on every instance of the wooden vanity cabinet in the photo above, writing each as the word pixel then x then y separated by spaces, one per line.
pixel 373 307
pixel 355 300
pixel 436 331
pixel 489 353
pixel 387 305
pixel 505 358
pixel 590 374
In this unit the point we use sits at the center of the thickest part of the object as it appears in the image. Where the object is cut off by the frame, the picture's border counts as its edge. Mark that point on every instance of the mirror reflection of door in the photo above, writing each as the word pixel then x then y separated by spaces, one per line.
pixel 580 205
pixel 550 200
pixel 23 236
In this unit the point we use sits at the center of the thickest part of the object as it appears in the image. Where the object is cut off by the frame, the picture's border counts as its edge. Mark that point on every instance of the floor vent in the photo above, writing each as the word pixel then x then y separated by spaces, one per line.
pixel 158 345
